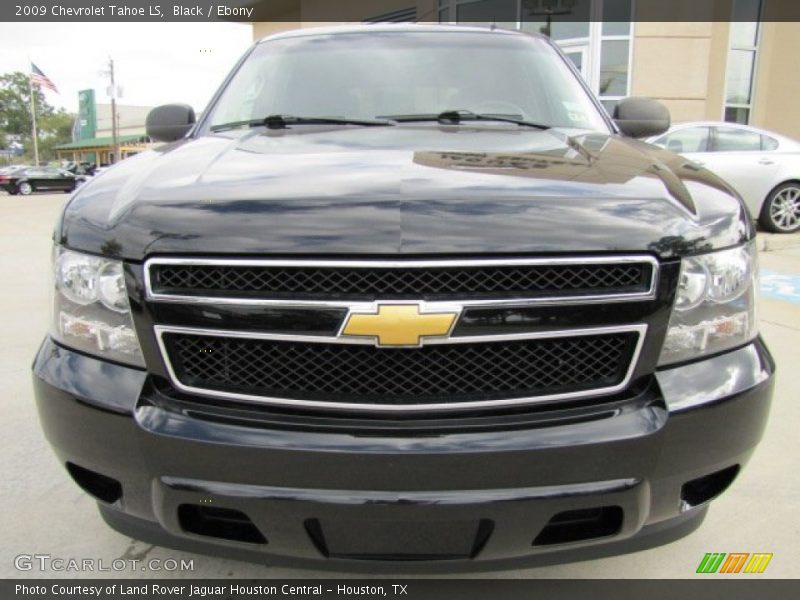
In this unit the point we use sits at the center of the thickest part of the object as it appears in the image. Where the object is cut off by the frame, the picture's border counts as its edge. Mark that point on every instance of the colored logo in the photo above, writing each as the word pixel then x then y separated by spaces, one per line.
pixel 735 562
pixel 399 324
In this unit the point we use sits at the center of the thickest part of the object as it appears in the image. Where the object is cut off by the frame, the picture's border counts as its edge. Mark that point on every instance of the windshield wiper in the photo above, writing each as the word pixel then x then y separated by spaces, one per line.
pixel 454 117
pixel 283 121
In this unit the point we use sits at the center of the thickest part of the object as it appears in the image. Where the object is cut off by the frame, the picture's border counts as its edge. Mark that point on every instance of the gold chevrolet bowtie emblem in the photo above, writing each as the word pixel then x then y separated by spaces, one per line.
pixel 399 324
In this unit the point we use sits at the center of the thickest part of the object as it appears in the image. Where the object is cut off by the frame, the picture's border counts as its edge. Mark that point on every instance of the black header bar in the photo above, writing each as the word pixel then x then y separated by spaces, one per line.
pixel 714 588
pixel 427 11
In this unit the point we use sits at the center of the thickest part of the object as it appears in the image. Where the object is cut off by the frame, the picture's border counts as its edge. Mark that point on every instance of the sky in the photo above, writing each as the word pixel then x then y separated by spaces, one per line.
pixel 155 63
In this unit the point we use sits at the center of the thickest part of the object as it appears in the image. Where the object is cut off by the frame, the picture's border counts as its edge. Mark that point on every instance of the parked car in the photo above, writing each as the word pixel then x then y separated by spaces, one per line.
pixel 37 179
pixel 11 169
pixel 82 170
pixel 404 293
pixel 764 167
pixel 6 174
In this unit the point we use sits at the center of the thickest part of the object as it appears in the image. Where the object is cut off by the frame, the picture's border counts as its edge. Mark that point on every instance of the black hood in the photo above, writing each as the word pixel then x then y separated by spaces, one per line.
pixel 407 189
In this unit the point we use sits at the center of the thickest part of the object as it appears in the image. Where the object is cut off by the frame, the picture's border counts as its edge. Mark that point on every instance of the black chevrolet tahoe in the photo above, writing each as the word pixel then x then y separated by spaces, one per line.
pixel 405 293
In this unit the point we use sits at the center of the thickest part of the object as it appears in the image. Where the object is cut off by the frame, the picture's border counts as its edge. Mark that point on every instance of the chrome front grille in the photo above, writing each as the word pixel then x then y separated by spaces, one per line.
pixel 483 279
pixel 440 376
pixel 446 372
pixel 469 282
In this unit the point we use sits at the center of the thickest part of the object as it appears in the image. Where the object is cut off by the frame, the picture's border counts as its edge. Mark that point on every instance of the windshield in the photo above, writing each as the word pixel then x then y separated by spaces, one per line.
pixel 383 74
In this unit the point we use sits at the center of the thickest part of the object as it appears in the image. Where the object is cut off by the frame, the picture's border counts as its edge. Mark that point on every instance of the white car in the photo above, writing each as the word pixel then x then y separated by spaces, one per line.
pixel 762 166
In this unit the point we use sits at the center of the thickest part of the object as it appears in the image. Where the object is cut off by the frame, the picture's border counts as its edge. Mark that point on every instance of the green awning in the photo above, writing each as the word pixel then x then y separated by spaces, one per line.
pixel 102 142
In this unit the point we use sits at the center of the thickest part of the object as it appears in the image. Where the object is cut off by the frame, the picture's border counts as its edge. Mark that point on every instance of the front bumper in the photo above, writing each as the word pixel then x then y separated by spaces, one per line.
pixel 477 499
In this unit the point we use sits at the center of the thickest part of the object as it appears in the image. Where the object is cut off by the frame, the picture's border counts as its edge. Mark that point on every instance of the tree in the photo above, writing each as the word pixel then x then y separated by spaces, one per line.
pixel 55 129
pixel 15 104
pixel 54 126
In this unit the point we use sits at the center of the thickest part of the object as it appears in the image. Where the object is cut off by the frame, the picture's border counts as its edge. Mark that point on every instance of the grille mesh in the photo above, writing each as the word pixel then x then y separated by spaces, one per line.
pixel 449 373
pixel 404 282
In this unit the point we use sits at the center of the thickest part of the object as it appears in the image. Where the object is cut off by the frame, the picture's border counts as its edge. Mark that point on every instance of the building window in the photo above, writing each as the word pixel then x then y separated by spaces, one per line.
pixel 595 34
pixel 745 30
pixel 404 15
pixel 503 13
pixel 561 20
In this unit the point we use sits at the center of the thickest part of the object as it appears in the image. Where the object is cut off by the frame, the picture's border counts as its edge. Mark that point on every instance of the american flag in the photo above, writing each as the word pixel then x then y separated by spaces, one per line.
pixel 39 78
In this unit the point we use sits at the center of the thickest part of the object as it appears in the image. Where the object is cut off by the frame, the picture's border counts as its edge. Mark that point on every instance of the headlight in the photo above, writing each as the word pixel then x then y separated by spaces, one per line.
pixel 715 307
pixel 90 307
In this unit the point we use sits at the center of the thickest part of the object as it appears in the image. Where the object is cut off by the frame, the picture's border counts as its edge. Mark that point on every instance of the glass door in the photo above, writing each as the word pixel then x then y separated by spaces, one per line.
pixel 579 55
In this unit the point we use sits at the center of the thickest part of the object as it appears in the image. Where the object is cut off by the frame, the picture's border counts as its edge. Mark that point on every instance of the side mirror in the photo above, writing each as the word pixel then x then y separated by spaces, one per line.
pixel 641 117
pixel 169 122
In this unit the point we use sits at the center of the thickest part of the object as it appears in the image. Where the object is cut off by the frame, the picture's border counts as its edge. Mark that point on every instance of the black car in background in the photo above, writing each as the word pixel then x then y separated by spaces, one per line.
pixel 26 180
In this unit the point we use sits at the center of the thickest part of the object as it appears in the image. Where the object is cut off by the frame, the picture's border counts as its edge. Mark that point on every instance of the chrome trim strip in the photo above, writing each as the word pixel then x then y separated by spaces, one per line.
pixel 433 341
pixel 639 329
pixel 649 294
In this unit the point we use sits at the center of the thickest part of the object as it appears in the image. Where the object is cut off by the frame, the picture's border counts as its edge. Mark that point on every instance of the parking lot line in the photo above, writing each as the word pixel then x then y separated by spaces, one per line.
pixel 780 286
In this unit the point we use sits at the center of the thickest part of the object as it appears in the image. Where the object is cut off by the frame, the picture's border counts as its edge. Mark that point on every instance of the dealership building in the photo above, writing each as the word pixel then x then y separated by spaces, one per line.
pixel 93 135
pixel 733 60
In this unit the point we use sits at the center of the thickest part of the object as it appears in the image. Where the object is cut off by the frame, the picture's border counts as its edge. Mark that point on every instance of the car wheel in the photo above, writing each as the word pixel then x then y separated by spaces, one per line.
pixel 781 211
pixel 25 188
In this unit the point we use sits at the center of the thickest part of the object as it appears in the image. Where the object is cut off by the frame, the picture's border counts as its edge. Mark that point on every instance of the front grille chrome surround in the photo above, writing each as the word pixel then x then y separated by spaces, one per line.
pixel 457 304
pixel 553 297
pixel 639 330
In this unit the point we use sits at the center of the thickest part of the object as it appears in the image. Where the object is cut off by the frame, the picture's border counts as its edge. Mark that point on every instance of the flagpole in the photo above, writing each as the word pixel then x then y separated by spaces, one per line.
pixel 33 117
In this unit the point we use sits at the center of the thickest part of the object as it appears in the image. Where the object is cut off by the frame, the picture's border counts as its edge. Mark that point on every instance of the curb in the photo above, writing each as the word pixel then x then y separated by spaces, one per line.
pixel 772 242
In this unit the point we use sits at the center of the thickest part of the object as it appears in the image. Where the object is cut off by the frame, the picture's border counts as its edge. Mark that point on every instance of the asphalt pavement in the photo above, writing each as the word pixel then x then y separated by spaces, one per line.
pixel 44 512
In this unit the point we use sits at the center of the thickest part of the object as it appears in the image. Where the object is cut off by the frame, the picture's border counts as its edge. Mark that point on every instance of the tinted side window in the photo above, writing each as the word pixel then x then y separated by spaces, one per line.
pixel 693 139
pixel 730 139
pixel 768 143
